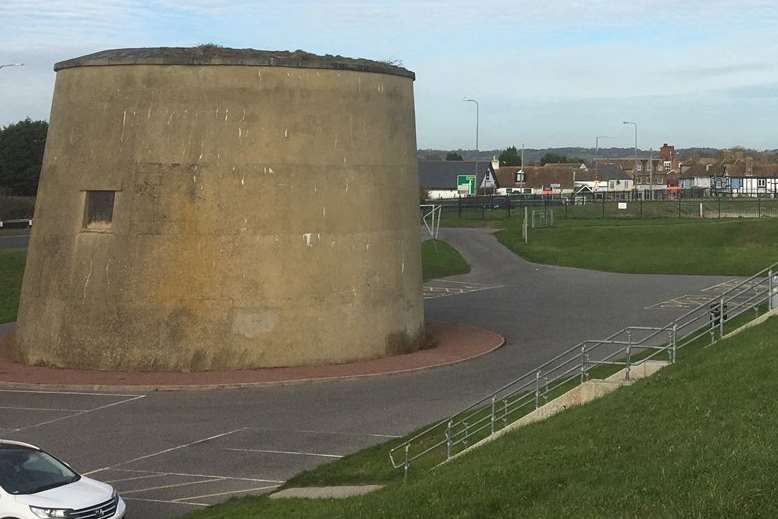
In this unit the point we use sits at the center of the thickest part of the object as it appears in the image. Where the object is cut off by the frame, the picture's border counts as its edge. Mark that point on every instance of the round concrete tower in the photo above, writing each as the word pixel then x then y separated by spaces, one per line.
pixel 211 208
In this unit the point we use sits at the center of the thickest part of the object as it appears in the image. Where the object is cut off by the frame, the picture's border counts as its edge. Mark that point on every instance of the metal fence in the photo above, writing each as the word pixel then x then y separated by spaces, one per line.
pixel 499 207
pixel 626 349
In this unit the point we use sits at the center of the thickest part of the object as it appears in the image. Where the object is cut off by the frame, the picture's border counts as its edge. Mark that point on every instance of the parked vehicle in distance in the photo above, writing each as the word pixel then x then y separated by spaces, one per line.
pixel 36 485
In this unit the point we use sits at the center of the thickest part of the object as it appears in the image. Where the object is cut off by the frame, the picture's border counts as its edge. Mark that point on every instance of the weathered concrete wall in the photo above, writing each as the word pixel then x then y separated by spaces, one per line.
pixel 264 216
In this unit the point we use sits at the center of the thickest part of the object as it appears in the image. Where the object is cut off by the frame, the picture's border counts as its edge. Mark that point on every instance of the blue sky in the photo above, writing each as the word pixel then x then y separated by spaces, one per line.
pixel 547 73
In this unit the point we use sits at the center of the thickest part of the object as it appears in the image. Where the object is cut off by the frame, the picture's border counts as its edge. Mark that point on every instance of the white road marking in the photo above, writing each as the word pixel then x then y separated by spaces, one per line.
pixel 134 478
pixel 172 485
pixel 335 433
pixel 444 288
pixel 166 451
pixel 293 453
pixel 80 413
pixel 228 493
pixel 35 392
pixel 146 500
pixel 43 409
pixel 213 476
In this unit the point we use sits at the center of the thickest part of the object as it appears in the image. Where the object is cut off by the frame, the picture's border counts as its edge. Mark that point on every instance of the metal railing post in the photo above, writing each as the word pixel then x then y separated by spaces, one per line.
pixel 504 412
pixel 583 363
pixel 537 389
pixel 406 465
pixel 628 362
pixel 770 289
pixel 721 316
pixel 464 441
pixel 448 440
pixel 493 402
pixel 675 342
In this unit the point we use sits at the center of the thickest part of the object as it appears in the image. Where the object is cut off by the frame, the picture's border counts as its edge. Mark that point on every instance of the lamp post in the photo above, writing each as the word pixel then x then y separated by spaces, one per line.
pixel 597 149
pixel 12 65
pixel 636 147
pixel 477 117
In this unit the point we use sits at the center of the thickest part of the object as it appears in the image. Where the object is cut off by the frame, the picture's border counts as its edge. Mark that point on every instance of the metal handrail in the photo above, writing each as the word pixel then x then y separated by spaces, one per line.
pixel 708 318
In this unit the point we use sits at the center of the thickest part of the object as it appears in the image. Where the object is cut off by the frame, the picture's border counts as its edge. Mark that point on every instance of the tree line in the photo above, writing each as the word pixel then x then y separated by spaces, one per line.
pixel 21 156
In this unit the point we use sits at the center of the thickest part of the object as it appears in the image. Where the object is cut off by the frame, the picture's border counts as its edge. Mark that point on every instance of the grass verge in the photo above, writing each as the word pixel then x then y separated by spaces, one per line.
pixel 439 259
pixel 11 272
pixel 727 247
pixel 695 440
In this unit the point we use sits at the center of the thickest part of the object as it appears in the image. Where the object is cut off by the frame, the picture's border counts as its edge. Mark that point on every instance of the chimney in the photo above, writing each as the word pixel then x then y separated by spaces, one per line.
pixel 749 166
pixel 495 163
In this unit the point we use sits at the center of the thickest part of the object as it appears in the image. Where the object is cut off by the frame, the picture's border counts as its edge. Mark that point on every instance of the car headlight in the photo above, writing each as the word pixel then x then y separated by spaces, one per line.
pixel 47 513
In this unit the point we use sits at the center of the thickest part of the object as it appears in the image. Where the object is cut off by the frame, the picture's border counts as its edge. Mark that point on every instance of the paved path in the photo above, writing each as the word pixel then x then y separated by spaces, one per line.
pixel 170 453
pixel 14 238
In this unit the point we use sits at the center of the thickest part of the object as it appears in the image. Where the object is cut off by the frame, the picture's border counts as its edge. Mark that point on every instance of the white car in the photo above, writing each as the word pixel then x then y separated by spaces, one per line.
pixel 36 485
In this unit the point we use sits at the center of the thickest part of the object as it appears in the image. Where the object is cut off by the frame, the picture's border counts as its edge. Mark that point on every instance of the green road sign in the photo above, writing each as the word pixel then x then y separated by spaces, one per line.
pixel 466 184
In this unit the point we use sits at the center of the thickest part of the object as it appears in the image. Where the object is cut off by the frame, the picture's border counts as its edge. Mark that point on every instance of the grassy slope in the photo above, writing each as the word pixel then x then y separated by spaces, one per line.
pixel 11 272
pixel 696 440
pixel 439 259
pixel 729 247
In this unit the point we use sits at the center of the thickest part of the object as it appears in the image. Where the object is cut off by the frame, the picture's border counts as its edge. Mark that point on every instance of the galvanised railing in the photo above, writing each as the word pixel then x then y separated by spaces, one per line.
pixel 624 349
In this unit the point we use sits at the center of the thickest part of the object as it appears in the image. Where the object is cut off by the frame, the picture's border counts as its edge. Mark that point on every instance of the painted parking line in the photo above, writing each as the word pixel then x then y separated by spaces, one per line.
pixel 19 404
pixel 244 461
pixel 184 474
pixel 193 499
pixel 445 288
pixel 165 451
pixel 198 491
pixel 730 283
pixel 683 302
pixel 290 453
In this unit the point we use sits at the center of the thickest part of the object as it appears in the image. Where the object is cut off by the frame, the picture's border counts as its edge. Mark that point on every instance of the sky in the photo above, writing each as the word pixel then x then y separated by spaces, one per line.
pixel 546 73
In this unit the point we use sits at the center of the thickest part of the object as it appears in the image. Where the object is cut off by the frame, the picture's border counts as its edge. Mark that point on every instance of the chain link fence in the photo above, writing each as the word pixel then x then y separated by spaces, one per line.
pixel 495 207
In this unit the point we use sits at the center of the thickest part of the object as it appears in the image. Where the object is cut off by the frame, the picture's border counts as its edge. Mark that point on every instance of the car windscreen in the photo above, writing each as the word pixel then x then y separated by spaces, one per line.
pixel 29 471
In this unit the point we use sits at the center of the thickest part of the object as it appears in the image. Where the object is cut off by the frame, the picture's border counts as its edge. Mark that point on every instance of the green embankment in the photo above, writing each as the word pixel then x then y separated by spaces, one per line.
pixel 696 440
pixel 439 259
pixel 11 272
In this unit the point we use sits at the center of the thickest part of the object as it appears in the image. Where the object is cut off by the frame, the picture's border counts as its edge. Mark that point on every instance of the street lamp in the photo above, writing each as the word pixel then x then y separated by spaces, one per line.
pixel 636 147
pixel 12 65
pixel 597 149
pixel 477 116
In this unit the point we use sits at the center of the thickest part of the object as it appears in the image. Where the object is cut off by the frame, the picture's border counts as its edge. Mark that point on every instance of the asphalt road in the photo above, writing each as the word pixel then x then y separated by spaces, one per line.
pixel 172 452
pixel 14 238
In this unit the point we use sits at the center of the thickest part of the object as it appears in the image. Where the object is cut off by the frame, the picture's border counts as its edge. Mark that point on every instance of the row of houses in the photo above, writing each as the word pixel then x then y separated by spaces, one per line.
pixel 660 177
pixel 439 179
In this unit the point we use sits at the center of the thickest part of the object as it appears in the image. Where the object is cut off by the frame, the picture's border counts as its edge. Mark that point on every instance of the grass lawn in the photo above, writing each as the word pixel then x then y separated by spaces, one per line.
pixel 11 272
pixel 439 259
pixel 729 247
pixel 661 246
pixel 696 440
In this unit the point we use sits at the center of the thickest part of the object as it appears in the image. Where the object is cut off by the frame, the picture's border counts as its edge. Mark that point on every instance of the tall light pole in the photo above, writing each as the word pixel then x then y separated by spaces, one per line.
pixel 477 116
pixel 597 149
pixel 636 148
pixel 12 65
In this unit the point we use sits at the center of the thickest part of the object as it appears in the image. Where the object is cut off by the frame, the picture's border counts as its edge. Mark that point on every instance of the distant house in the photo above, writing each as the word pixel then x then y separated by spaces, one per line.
pixel 696 178
pixel 601 179
pixel 743 178
pixel 439 177
pixel 647 174
pixel 550 179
